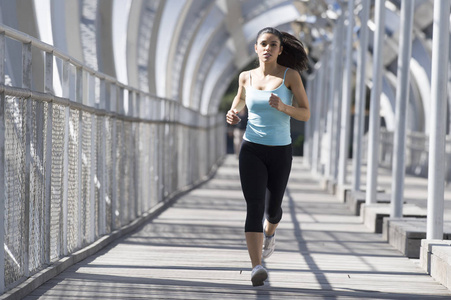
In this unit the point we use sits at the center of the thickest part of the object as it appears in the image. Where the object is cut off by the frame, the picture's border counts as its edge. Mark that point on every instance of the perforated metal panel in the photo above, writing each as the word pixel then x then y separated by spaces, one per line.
pixel 56 211
pixel 15 131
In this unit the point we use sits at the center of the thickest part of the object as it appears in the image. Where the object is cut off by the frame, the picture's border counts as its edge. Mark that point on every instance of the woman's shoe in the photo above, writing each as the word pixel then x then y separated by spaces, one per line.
pixel 269 244
pixel 259 275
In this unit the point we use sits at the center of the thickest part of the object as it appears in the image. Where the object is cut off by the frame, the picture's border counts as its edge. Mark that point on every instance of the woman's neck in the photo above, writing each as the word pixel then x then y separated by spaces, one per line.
pixel 269 69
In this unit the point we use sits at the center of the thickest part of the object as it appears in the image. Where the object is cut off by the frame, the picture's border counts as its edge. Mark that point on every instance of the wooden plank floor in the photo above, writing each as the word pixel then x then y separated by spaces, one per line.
pixel 196 250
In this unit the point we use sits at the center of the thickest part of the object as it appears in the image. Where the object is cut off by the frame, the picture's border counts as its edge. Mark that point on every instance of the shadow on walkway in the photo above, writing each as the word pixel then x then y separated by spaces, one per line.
pixel 196 250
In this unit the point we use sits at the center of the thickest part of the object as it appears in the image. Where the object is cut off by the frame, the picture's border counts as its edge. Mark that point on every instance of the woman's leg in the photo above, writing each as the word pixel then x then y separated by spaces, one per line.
pixel 253 177
pixel 254 241
pixel 279 169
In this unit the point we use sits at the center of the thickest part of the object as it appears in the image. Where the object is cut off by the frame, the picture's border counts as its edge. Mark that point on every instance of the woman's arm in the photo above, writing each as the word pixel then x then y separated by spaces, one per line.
pixel 299 112
pixel 238 102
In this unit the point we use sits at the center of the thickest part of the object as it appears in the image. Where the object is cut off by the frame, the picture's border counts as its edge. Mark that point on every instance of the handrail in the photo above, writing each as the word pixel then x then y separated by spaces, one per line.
pixel 46 97
pixel 25 38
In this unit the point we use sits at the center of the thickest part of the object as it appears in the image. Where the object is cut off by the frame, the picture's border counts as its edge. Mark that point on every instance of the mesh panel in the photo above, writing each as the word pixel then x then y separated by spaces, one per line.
pixel 15 188
pixel 182 158
pixel 133 154
pixel 127 203
pixel 73 182
pixel 145 166
pixel 56 216
pixel 165 184
pixel 160 161
pixel 37 184
pixel 98 164
pixel 174 158
pixel 85 201
pixel 154 165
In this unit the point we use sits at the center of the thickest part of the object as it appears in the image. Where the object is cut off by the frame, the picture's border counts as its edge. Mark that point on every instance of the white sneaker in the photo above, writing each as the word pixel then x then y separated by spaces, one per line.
pixel 269 244
pixel 259 275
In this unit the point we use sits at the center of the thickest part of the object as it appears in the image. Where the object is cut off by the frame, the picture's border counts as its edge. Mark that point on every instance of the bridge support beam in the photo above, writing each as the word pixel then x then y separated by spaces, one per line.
pixel 402 96
pixel 373 134
pixel 439 80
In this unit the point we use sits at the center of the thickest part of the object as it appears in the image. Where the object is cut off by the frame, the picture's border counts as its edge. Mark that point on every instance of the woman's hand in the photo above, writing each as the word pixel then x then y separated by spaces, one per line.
pixel 276 102
pixel 232 117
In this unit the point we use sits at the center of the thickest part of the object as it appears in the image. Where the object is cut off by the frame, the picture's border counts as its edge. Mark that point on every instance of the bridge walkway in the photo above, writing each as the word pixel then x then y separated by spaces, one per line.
pixel 196 250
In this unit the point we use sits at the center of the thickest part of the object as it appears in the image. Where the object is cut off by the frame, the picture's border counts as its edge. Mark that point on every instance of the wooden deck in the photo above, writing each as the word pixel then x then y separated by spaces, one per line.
pixel 196 250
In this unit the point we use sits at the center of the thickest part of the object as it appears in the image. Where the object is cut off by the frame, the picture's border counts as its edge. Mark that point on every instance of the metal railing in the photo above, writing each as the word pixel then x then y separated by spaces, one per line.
pixel 76 167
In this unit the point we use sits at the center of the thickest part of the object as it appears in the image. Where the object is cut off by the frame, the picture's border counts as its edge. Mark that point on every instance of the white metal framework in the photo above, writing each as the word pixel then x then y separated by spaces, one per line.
pixel 110 107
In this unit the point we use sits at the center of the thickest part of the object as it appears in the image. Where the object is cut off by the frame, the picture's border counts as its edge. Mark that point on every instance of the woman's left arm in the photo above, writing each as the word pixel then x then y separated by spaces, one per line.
pixel 294 82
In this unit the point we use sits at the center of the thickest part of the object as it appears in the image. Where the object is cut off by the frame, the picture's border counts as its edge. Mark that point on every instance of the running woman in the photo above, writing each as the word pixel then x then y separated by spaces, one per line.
pixel 273 92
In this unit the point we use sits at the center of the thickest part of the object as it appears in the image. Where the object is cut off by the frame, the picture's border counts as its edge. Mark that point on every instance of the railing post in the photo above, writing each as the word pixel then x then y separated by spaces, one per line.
pixel 113 108
pixel 402 95
pixel 373 135
pixel 101 156
pixel 65 88
pixel 92 183
pixel 26 84
pixel 65 178
pixel 92 167
pixel 138 180
pixel 48 88
pixel 439 82
pixel 80 163
pixel 2 164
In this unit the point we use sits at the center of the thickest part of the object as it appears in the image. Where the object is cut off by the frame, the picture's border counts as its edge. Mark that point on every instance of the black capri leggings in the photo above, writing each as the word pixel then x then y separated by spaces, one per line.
pixel 264 172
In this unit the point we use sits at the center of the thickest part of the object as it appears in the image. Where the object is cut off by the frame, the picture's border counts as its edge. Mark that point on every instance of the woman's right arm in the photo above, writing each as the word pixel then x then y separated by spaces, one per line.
pixel 239 102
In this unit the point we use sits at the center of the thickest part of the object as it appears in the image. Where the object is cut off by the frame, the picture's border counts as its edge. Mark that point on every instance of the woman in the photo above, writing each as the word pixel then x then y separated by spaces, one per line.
pixel 266 153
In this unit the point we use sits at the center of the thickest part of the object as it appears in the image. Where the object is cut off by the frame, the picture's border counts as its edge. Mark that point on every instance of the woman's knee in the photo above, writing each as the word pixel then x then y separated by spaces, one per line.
pixel 275 216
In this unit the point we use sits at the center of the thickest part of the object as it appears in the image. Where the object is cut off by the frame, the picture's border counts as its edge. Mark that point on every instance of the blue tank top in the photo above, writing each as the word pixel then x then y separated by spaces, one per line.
pixel 266 125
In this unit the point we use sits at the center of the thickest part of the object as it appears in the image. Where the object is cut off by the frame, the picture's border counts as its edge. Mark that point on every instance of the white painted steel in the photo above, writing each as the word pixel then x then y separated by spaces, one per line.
pixel 402 96
pixel 346 99
pixel 439 80
pixel 360 97
pixel 373 139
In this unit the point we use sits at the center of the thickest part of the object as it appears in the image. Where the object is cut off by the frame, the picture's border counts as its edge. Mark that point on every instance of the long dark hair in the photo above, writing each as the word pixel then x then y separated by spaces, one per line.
pixel 293 55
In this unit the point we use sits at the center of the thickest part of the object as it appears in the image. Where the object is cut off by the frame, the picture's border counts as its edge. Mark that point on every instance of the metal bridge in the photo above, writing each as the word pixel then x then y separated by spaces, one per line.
pixel 109 114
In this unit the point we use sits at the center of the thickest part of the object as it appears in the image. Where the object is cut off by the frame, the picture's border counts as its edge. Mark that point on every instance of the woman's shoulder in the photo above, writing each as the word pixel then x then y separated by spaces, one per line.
pixel 292 78
pixel 292 74
pixel 244 77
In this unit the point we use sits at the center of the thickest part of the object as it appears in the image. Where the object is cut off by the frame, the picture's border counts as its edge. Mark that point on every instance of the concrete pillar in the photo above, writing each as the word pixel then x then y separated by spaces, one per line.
pixel 308 129
pixel 402 96
pixel 334 99
pixel 316 109
pixel 439 82
pixel 360 97
pixel 346 99
pixel 373 138
pixel 338 98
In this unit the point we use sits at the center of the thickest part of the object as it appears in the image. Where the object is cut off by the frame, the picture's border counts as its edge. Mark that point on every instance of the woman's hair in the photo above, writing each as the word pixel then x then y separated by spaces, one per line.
pixel 293 55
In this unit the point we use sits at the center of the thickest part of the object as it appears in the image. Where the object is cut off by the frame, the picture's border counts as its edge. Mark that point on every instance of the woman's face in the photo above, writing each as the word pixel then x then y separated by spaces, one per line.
pixel 268 47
